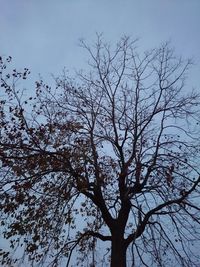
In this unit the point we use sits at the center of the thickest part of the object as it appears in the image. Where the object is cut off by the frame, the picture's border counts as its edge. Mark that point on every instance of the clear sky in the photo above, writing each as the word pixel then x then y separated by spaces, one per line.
pixel 44 34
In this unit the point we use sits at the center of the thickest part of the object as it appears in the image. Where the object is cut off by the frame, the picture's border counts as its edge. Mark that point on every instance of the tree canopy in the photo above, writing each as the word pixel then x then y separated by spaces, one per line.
pixel 111 154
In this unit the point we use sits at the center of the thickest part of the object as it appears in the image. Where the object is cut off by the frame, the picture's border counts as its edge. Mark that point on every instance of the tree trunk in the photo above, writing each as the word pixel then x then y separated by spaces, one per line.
pixel 118 252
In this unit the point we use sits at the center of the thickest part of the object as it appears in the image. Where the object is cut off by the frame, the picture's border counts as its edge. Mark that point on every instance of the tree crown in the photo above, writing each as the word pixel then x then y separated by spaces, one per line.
pixel 118 146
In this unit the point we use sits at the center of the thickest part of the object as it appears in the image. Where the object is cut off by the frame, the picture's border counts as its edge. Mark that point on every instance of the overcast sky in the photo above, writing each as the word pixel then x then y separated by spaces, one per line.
pixel 44 34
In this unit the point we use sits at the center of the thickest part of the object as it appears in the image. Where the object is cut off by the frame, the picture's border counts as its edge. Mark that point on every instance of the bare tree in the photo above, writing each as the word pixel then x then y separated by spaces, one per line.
pixel 112 155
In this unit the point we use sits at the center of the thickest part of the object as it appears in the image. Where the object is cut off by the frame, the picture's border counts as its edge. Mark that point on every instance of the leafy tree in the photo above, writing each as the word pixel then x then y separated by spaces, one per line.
pixel 111 155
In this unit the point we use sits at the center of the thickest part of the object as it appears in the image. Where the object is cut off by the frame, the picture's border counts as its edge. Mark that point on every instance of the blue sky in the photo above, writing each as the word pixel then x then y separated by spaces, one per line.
pixel 44 34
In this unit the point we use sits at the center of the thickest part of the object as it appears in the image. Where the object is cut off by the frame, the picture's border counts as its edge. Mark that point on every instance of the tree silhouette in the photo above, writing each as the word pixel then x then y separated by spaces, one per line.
pixel 110 155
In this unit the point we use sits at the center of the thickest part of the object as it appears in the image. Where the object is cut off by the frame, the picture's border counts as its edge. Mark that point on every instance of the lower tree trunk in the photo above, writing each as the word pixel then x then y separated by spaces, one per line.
pixel 118 252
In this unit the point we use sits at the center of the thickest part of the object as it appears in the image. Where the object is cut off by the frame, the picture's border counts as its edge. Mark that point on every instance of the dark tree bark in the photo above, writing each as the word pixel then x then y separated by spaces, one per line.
pixel 118 250
pixel 119 244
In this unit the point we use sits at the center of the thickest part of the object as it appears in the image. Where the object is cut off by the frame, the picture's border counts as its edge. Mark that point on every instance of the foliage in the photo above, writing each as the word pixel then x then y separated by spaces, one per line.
pixel 111 155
